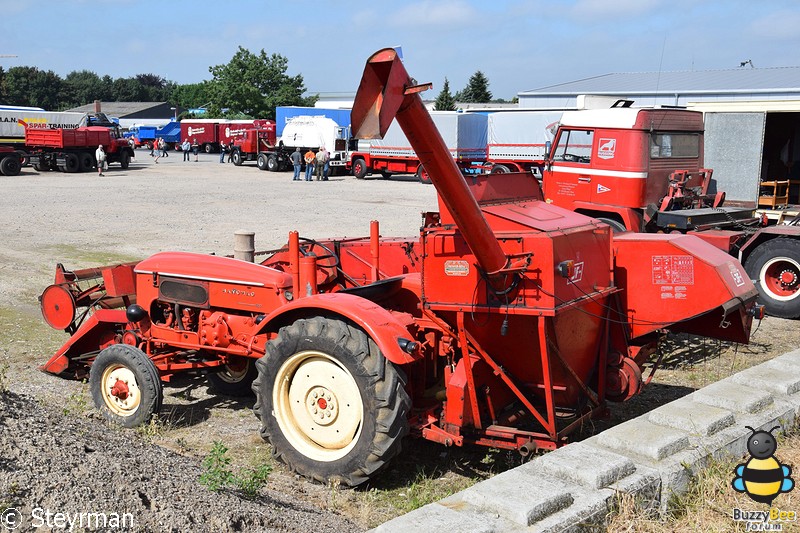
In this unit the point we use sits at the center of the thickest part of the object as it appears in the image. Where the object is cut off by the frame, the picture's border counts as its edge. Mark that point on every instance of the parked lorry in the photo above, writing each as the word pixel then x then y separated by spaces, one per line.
pixel 73 150
pixel 12 132
pixel 211 133
pixel 259 144
pixel 517 140
pixel 146 135
pixel 508 322
pixel 284 114
pixel 642 170
pixel 464 133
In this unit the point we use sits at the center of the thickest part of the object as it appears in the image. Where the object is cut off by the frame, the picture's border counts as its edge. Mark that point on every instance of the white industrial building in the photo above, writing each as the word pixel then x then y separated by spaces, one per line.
pixel 752 117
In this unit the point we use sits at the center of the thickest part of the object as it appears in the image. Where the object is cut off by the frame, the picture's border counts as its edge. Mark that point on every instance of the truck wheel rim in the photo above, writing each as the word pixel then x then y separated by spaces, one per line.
pixel 780 277
pixel 318 406
pixel 121 392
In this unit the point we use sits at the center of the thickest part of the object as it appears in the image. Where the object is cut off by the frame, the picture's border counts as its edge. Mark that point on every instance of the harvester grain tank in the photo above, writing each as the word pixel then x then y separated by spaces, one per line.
pixel 508 322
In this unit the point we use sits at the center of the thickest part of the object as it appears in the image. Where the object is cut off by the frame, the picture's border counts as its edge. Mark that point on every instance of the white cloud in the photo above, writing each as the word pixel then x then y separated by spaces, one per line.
pixel 777 25
pixel 447 13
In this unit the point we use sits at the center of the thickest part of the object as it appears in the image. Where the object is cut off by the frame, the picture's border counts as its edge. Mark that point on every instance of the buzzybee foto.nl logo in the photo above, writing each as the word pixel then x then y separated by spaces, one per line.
pixel 763 477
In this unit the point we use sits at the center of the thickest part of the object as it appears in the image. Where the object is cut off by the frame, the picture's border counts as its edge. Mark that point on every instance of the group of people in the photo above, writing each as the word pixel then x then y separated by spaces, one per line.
pixel 318 164
pixel 190 148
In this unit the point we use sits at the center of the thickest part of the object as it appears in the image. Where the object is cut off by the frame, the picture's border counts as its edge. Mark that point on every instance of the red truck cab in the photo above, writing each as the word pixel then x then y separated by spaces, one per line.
pixel 619 160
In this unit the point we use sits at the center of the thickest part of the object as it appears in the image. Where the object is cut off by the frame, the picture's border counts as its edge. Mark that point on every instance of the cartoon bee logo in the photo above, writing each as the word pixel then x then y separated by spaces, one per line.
pixel 762 478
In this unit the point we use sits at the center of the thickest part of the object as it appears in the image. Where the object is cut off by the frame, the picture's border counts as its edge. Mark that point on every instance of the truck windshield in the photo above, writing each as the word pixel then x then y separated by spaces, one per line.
pixel 666 145
pixel 574 146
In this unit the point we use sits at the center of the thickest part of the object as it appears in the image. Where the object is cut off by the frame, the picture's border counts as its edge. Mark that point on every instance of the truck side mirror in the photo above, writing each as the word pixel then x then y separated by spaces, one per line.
pixel 547 147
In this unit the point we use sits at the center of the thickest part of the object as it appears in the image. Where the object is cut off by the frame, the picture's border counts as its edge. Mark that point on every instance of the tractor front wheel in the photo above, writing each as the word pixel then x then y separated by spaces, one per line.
pixel 235 378
pixel 125 385
pixel 775 268
pixel 332 406
pixel 422 175
pixel 236 158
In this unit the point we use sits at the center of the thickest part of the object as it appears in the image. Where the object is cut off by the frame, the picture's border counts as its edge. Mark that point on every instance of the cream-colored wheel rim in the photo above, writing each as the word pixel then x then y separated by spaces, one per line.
pixel 318 406
pixel 121 392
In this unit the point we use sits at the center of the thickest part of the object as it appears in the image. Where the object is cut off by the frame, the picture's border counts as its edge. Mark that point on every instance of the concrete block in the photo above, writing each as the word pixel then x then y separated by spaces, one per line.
pixel 677 472
pixel 435 518
pixel 730 395
pixel 583 464
pixel 771 378
pixel 589 510
pixel 732 441
pixel 641 438
pixel 644 484
pixel 519 497
pixel 692 417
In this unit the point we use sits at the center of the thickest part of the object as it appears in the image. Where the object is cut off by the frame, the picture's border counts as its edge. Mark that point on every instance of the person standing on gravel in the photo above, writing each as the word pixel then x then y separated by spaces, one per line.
pixel 100 155
pixel 309 159
pixel 195 149
pixel 297 162
pixel 186 146
pixel 319 164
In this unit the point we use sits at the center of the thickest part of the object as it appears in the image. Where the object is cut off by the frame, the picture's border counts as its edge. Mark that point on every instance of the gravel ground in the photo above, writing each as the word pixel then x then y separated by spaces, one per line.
pixel 55 452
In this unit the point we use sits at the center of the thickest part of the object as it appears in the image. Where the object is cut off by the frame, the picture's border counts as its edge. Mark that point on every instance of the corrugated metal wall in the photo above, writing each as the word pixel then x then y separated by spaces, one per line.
pixel 733 148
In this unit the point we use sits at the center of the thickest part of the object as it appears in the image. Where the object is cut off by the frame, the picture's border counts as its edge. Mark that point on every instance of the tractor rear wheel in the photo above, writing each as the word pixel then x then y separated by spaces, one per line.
pixel 261 162
pixel 775 268
pixel 10 165
pixel 235 378
pixel 332 406
pixel 359 169
pixel 236 158
pixel 272 163
pixel 125 385
pixel 125 160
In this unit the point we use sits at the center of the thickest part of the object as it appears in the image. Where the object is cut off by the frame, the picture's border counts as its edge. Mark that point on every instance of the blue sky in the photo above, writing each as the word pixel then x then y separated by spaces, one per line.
pixel 519 45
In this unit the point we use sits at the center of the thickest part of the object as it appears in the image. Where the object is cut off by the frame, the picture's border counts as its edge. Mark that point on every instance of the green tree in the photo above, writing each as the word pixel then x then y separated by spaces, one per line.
pixel 84 87
pixel 128 90
pixel 192 95
pixel 255 84
pixel 445 101
pixel 29 86
pixel 476 91
pixel 154 87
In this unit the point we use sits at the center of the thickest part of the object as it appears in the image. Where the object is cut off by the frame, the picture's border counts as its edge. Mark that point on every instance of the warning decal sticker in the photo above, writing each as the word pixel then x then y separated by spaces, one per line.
pixel 673 270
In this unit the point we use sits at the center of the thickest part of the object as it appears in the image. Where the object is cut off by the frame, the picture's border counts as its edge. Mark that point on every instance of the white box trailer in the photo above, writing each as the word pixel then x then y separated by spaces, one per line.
pixel 465 135
pixel 13 134
pixel 315 132
pixel 518 139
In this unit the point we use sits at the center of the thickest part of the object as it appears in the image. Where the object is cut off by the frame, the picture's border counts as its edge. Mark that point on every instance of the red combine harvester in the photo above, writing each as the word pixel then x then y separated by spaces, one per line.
pixel 508 322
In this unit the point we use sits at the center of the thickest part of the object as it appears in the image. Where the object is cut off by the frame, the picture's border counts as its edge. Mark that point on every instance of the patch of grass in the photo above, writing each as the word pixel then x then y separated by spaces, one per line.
pixel 217 474
pixel 3 371
pixel 77 403
pixel 709 501
pixel 76 257
pixel 155 428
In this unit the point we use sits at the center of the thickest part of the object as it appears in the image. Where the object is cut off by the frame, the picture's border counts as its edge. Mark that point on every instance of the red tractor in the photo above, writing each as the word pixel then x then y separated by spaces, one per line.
pixel 508 322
